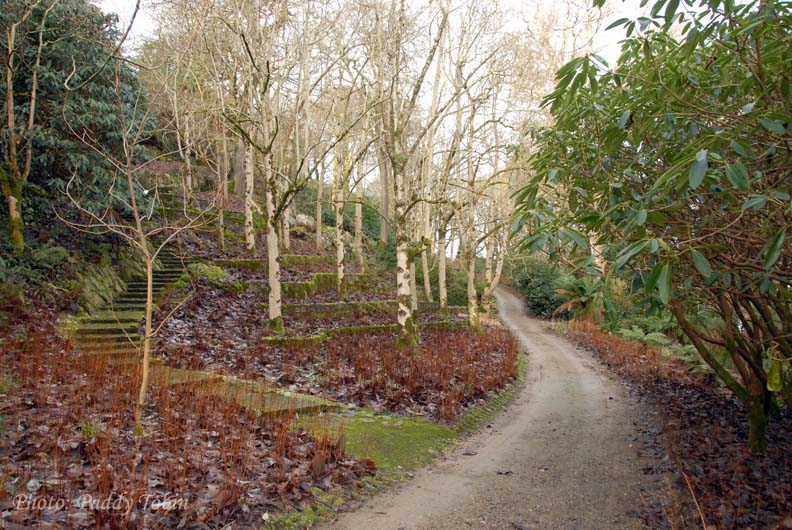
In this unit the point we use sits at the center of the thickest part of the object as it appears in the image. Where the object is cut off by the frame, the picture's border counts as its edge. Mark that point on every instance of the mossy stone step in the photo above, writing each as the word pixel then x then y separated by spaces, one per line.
pixel 156 282
pixel 318 339
pixel 127 306
pixel 176 259
pixel 156 289
pixel 104 339
pixel 132 296
pixel 118 351
pixel 133 302
pixel 121 323
pixel 336 308
pixel 108 315
pixel 100 328
pixel 264 399
pixel 114 329
pixel 166 375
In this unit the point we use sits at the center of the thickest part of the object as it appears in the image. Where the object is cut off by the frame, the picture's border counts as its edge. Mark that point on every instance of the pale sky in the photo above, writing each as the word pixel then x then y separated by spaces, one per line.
pixel 605 43
pixel 144 23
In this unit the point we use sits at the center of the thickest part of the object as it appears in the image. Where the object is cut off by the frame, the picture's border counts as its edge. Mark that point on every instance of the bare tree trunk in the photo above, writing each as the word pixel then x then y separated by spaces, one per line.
pixel 427 284
pixel 407 330
pixel 188 183
pixel 319 189
pixel 493 279
pixel 441 266
pixel 146 361
pixel 489 246
pixel 426 233
pixel 240 177
pixel 339 192
pixel 385 186
pixel 16 225
pixel 222 183
pixel 286 228
pixel 473 313
pixel 413 291
pixel 338 202
pixel 273 251
pixel 359 224
pixel 283 225
pixel 250 164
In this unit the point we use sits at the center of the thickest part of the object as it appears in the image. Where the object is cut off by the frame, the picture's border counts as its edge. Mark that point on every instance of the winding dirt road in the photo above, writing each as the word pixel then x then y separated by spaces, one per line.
pixel 562 456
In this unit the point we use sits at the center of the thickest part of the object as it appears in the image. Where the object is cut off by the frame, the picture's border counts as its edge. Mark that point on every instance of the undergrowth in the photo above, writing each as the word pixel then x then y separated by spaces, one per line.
pixel 70 418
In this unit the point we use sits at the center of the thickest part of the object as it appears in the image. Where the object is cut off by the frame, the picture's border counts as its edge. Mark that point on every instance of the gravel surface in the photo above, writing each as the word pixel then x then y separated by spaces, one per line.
pixel 564 455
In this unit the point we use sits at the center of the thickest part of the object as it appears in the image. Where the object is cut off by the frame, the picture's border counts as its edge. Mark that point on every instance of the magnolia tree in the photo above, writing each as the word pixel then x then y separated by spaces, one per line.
pixel 675 163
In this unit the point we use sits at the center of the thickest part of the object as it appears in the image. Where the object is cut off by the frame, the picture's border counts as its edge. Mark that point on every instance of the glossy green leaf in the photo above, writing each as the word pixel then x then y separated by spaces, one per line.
pixel 624 119
pixel 698 170
pixel 774 250
pixel 737 147
pixel 617 23
pixel 629 252
pixel 754 201
pixel 670 11
pixel 702 263
pixel 664 283
pixel 738 176
pixel 774 126
pixel 578 237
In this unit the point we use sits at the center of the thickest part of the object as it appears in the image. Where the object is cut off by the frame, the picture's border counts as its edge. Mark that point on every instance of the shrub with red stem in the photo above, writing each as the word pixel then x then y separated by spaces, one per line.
pixel 448 371
pixel 71 418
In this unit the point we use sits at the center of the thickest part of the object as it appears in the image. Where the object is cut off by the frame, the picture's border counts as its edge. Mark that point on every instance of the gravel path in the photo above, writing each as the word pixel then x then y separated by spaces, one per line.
pixel 564 455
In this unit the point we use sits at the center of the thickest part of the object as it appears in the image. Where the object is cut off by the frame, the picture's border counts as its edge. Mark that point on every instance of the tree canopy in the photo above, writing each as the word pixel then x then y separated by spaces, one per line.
pixel 674 166
pixel 64 131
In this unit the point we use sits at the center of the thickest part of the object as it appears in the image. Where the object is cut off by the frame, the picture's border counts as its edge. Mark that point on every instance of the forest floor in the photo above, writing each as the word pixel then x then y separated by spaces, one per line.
pixel 567 453
pixel 704 430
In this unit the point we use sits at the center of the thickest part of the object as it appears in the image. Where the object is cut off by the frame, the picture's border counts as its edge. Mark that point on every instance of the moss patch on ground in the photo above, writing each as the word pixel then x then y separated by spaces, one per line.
pixel 216 277
pixel 322 510
pixel 319 339
pixel 398 445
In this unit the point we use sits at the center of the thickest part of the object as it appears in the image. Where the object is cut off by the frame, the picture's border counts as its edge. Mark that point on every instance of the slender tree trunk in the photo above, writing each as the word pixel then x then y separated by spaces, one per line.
pixel 473 312
pixel 338 202
pixel 250 235
pixel 427 283
pixel 442 289
pixel 359 225
pixel 188 183
pixel 493 282
pixel 407 331
pixel 286 228
pixel 16 226
pixel 240 176
pixel 146 361
pixel 490 248
pixel 273 251
pixel 319 189
pixel 222 183
pixel 385 186
pixel 413 290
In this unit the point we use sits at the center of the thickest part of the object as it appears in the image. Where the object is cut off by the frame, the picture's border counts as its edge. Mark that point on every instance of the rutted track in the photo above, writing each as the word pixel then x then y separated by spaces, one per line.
pixel 564 455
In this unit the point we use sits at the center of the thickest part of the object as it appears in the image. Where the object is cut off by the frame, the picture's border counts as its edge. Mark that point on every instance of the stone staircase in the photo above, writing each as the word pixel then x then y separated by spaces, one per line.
pixel 113 330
